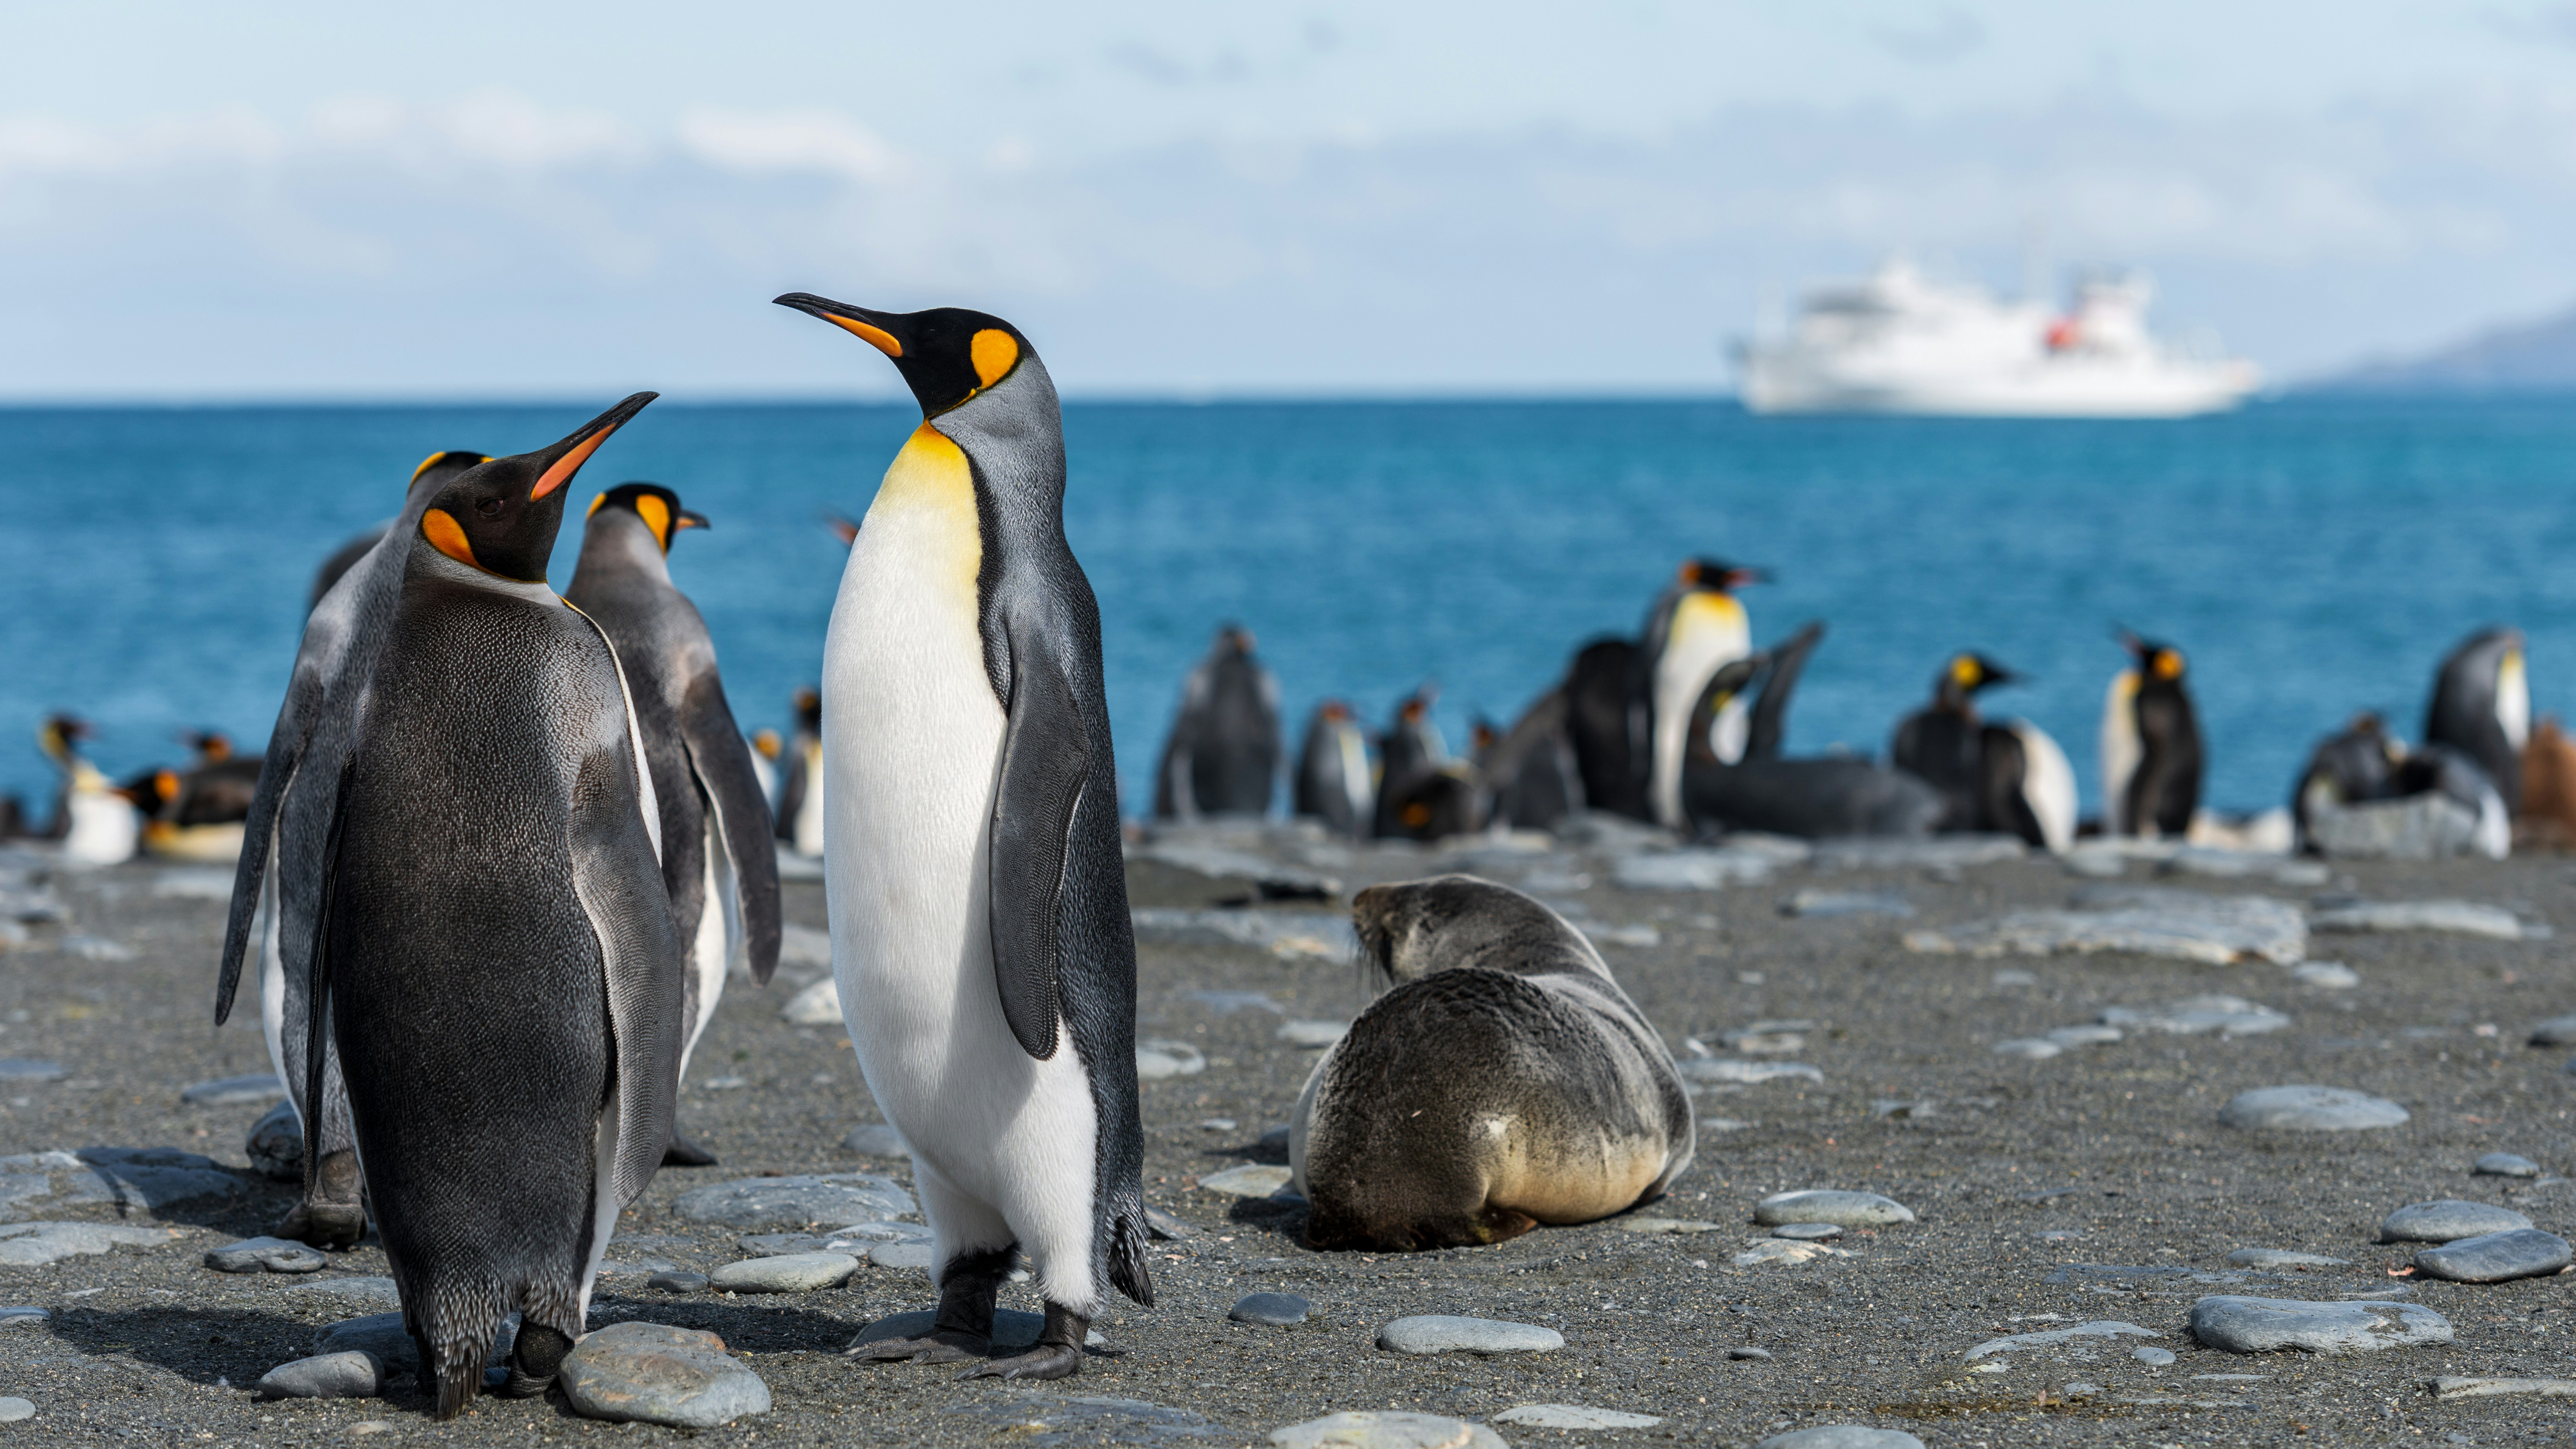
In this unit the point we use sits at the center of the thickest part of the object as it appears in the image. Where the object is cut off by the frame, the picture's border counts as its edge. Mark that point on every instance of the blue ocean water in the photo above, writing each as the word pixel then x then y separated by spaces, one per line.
pixel 2312 556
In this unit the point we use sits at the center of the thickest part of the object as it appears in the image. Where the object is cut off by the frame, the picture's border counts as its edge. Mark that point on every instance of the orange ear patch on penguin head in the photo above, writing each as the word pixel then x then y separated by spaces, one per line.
pixel 448 536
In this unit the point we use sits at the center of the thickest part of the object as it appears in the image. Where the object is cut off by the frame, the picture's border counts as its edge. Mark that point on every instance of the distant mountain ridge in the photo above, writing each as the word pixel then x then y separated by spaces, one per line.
pixel 2531 356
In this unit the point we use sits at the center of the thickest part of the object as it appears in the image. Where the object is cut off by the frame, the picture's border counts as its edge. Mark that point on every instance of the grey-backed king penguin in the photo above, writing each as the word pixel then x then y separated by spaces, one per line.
pixel 277 880
pixel 980 935
pixel 800 785
pixel 1222 757
pixel 2151 749
pixel 1696 627
pixel 1942 745
pixel 2482 708
pixel 718 861
pixel 1333 781
pixel 494 955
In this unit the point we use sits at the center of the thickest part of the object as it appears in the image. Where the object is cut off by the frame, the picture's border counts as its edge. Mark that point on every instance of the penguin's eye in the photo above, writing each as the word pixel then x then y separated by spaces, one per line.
pixel 490 507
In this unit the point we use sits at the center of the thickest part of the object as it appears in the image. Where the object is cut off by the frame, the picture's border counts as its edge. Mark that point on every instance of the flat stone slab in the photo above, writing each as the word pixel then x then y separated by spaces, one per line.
pixel 1841 1436
pixel 2505 1164
pixel 13 1409
pixel 275 1145
pixel 2198 1015
pixel 678 1282
pixel 1162 1057
pixel 1257 1180
pixel 2446 1219
pixel 2497 1257
pixel 1012 1329
pixel 2029 1048
pixel 234 1091
pixel 1831 1205
pixel 2282 1258
pixel 1652 1226
pixel 2426 826
pixel 786 1273
pixel 649 1373
pixel 2453 1387
pixel 2266 1325
pixel 354 1374
pixel 1312 1033
pixel 2309 1109
pixel 2072 1037
pixel 27 1069
pixel 1808 1232
pixel 1938 852
pixel 1272 1310
pixel 875 1139
pixel 32 1245
pixel 1087 1421
pixel 1385 1429
pixel 823 1199
pixel 1692 870
pixel 2464 918
pixel 911 1257
pixel 147 1179
pixel 2180 925
pixel 2556 1031
pixel 2152 1357
pixel 1446 1333
pixel 1574 1416
pixel 2213 864
pixel 1283 933
pixel 2101 1328
pixel 816 1005
pixel 382 1337
pixel 266 1255
pixel 1743 1073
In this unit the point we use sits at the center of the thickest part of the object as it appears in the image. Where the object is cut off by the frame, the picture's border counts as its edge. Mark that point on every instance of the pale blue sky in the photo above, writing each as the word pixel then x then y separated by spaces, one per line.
pixel 482 198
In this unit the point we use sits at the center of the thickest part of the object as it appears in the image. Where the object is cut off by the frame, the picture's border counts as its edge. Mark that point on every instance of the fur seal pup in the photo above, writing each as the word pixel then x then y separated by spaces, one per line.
pixel 1333 780
pixel 493 957
pixel 2482 708
pixel 1222 757
pixel 1503 1080
pixel 978 892
pixel 719 863
pixel 277 880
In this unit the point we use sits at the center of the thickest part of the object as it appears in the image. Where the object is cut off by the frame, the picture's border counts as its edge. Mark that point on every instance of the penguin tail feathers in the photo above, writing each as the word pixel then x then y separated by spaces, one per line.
pixel 1127 1236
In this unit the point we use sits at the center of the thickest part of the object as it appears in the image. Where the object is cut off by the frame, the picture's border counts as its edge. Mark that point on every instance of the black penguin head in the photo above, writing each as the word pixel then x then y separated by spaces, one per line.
pixel 2157 663
pixel 946 355
pixel 1717 576
pixel 501 515
pixel 1969 672
pixel 656 505
pixel 809 710
pixel 438 469
pixel 60 734
pixel 1234 640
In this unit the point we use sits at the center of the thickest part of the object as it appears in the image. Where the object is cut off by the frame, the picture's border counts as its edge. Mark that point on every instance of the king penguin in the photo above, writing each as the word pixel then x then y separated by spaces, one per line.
pixel 2151 749
pixel 800 785
pixel 1696 627
pixel 1333 783
pixel 96 822
pixel 494 957
pixel 1222 757
pixel 1943 743
pixel 980 935
pixel 2482 708
pixel 277 879
pixel 718 860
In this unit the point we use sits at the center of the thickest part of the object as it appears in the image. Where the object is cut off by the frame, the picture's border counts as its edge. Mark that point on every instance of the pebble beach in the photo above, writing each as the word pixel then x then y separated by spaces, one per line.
pixel 2062 1201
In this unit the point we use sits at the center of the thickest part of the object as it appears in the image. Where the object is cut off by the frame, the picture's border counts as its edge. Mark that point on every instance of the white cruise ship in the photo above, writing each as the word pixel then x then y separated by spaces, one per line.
pixel 1897 342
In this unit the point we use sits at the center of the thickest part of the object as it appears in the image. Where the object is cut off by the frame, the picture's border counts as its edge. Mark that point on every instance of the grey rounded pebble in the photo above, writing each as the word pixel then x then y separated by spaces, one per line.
pixel 1011 1328
pixel 1272 1310
pixel 660 1375
pixel 2264 1325
pixel 2505 1164
pixel 2556 1031
pixel 22 1069
pixel 2448 1218
pixel 2497 1257
pixel 1385 1429
pixel 1746 1350
pixel 13 1409
pixel 275 1145
pixel 266 1255
pixel 1841 1436
pixel 1831 1205
pixel 352 1374
pixel 677 1282
pixel 786 1273
pixel 916 1256
pixel 26 1314
pixel 775 1204
pixel 2152 1357
pixel 2281 1258
pixel 2309 1109
pixel 2028 1048
pixel 1808 1232
pixel 1446 1333
pixel 1574 1416
pixel 234 1091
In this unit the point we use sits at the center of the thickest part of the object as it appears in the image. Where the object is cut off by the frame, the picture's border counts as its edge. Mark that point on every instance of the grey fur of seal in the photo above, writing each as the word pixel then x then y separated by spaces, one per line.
pixel 277 880
pixel 494 955
pixel 717 853
pixel 1503 1080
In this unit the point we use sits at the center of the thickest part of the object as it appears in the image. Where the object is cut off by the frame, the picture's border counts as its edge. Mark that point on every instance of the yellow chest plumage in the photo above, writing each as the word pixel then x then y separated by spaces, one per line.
pixel 929 497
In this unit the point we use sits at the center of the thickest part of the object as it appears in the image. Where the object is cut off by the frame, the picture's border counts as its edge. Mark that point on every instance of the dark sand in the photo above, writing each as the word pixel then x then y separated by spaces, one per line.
pixel 139 1340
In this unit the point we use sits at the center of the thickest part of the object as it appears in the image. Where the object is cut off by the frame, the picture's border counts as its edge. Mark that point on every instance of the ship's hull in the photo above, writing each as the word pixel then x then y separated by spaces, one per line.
pixel 1773 384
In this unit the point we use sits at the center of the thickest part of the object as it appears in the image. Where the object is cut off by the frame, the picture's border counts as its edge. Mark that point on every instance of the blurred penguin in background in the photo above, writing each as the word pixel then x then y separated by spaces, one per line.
pixel 1828 795
pixel 1943 743
pixel 1333 783
pixel 198 814
pixel 2151 746
pixel 1696 627
pixel 765 749
pixel 1528 774
pixel 1410 754
pixel 96 822
pixel 800 790
pixel 2360 763
pixel 2482 708
pixel 1607 722
pixel 1222 756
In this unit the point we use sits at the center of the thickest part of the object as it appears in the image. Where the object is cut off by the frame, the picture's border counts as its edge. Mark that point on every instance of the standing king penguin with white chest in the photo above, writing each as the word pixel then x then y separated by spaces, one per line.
pixel 494 956
pixel 980 935
pixel 718 861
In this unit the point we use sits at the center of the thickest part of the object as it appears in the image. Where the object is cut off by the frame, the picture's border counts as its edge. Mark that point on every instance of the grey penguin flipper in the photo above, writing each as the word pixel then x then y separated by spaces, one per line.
pixel 1046 763
pixel 723 768
pixel 643 986
pixel 317 991
pixel 259 832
